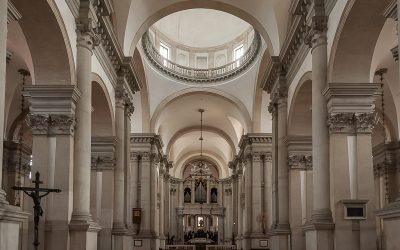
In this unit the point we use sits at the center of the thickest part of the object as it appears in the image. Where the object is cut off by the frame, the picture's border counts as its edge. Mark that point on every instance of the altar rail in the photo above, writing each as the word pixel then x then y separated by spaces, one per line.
pixel 180 247
pixel 220 247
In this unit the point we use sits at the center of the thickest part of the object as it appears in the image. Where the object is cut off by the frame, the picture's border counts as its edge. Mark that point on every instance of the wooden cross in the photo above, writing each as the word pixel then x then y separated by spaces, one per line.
pixel 37 193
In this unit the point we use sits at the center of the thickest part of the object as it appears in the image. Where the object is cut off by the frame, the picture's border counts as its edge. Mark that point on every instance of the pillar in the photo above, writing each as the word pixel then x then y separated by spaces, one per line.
pixel 319 233
pixel 239 207
pixel 119 225
pixel 52 120
pixel 208 191
pixel 134 182
pixel 192 192
pixel 167 202
pixel 268 188
pixel 3 55
pixel 161 221
pixel 278 107
pixel 83 230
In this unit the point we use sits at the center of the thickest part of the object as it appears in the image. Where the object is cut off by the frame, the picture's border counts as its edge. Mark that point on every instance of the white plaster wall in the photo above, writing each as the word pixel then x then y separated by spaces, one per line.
pixel 69 23
pixel 98 69
pixel 136 120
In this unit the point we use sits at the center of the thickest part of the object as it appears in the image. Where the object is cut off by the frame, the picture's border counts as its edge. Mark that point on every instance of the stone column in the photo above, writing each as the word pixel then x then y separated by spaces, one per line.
pixel 208 191
pixel 319 234
pixel 228 215
pixel 167 203
pixel 281 231
pixel 145 175
pixel 239 207
pixel 192 192
pixel 220 193
pixel 134 189
pixel 119 226
pixel 129 109
pixel 3 55
pixel 83 230
pixel 180 236
pixel 161 221
pixel 221 229
pixel 268 188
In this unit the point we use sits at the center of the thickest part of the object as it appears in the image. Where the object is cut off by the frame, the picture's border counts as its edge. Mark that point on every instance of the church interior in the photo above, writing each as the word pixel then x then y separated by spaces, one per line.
pixel 199 125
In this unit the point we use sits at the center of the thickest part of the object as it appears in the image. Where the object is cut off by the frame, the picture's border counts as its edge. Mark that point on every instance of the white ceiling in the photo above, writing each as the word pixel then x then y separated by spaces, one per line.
pixel 202 28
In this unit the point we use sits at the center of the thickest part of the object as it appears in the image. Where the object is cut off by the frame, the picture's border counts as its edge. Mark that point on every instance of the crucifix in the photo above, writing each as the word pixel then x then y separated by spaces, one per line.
pixel 37 193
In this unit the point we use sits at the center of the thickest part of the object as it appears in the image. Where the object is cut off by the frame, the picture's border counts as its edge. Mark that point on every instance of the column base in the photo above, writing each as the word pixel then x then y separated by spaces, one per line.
pixel 83 233
pixel 280 237
pixel 391 224
pixel 319 235
pixel 10 227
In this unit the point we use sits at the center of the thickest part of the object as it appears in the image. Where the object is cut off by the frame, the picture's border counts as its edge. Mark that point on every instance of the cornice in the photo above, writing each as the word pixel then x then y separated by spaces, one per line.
pixel 109 53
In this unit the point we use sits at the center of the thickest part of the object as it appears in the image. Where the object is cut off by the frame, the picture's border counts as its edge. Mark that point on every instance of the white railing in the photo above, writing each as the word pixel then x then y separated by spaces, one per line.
pixel 197 75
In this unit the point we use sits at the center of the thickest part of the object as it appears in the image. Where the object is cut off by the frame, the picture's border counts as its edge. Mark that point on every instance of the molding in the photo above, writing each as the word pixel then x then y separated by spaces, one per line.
pixel 395 53
pixel 391 10
pixel 8 56
pixel 12 13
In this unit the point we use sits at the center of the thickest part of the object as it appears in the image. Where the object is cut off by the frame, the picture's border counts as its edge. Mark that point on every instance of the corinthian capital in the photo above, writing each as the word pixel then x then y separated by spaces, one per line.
pixel 62 124
pixel 341 122
pixel 364 122
pixel 38 123
pixel 86 34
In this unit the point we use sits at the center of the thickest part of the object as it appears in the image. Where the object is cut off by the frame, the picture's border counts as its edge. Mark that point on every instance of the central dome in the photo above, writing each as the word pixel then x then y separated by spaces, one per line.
pixel 202 28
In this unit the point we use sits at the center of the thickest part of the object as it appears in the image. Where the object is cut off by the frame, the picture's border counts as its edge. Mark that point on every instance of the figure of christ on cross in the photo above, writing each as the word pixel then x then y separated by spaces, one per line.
pixel 37 193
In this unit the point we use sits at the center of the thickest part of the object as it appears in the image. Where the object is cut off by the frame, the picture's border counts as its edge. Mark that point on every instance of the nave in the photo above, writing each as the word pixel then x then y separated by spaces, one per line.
pixel 199 124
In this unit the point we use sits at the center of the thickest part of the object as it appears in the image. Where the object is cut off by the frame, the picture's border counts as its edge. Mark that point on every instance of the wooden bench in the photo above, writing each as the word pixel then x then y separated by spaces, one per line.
pixel 221 247
pixel 180 247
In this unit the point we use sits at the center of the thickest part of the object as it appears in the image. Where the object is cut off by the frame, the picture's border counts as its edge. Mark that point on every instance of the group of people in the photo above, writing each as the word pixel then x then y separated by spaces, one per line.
pixel 201 234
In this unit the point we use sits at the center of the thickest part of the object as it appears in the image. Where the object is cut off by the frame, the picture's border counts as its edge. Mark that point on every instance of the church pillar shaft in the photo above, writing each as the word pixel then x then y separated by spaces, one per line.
pixel 3 52
pixel 81 226
pixel 82 147
pixel 320 133
pixel 119 226
pixel 162 207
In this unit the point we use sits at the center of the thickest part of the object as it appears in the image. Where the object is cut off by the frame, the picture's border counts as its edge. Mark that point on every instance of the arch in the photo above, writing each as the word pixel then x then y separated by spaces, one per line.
pixel 144 98
pixel 102 99
pixel 206 4
pixel 353 47
pixel 53 64
pixel 205 129
pixel 306 78
pixel 190 91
